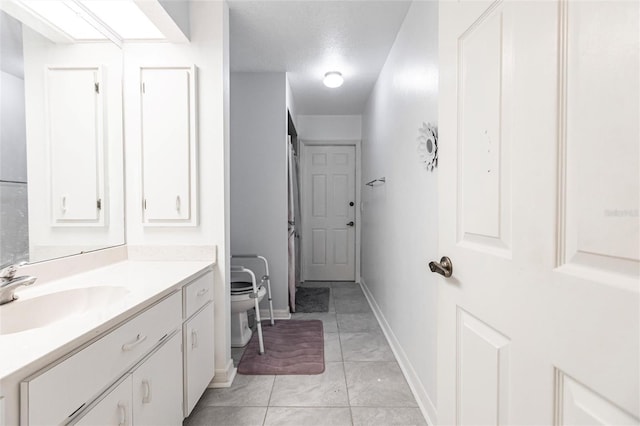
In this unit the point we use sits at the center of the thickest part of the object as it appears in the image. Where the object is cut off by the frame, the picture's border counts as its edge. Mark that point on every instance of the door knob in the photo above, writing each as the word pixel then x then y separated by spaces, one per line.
pixel 350 223
pixel 351 203
pixel 444 267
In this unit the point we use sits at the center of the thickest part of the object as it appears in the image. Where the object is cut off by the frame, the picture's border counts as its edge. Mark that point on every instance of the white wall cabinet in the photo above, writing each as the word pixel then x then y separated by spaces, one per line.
pixel 75 130
pixel 169 157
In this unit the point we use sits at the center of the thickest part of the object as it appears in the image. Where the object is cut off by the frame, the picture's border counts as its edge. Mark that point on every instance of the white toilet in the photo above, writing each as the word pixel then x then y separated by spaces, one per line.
pixel 246 295
pixel 241 302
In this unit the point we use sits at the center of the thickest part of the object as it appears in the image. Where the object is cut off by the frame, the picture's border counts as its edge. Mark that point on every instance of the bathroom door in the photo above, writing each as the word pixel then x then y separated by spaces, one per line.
pixel 328 209
pixel 538 209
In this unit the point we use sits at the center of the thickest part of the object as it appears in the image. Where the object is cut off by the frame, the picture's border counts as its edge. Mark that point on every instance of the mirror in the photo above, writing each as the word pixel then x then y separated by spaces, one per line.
pixel 61 144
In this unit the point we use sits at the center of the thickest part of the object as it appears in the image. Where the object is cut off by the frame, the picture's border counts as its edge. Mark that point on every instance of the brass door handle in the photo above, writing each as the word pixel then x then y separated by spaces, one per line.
pixel 444 267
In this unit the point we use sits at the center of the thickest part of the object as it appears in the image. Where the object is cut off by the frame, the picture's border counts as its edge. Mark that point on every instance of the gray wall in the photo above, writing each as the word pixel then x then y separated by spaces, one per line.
pixel 259 173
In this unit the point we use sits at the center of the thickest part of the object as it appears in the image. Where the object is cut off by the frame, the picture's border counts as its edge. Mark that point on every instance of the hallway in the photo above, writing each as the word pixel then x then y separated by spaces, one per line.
pixel 362 383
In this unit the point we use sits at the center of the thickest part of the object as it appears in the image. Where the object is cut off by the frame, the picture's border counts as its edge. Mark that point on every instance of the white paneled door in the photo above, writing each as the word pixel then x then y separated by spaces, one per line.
pixel 329 211
pixel 539 197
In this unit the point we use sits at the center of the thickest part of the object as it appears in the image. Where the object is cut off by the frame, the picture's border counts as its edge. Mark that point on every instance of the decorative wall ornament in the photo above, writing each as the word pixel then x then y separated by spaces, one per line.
pixel 428 145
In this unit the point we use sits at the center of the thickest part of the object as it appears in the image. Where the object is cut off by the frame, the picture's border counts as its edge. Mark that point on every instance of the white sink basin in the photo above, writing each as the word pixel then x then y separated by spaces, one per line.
pixel 41 311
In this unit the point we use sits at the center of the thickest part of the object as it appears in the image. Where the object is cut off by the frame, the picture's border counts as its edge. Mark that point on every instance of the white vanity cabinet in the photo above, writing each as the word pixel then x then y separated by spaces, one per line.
pixel 157 386
pixel 67 387
pixel 114 409
pixel 198 356
pixel 149 395
pixel 150 369
pixel 198 341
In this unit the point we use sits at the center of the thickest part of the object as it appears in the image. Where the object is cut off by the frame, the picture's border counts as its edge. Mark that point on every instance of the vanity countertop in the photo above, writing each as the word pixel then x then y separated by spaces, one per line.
pixel 144 283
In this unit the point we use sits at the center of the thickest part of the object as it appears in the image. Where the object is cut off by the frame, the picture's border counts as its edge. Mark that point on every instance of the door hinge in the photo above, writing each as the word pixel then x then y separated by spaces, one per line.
pixel 99 204
pixel 96 86
pixel 142 87
pixel 144 204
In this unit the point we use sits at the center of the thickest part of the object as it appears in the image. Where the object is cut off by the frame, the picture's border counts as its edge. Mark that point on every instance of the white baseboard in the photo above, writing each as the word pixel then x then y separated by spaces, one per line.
pixel 224 377
pixel 427 407
pixel 278 314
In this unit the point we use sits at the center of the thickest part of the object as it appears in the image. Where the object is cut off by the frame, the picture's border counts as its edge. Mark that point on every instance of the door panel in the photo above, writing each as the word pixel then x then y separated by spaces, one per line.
pixel 199 347
pixel 538 211
pixel 75 126
pixel 580 405
pixel 483 362
pixel 319 244
pixel 114 409
pixel 319 191
pixel 169 145
pixel 157 386
pixel 596 235
pixel 484 186
pixel 328 187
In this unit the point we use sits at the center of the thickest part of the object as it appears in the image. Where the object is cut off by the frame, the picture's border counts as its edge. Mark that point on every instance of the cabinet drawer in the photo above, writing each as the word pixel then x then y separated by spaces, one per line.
pixel 197 294
pixel 50 397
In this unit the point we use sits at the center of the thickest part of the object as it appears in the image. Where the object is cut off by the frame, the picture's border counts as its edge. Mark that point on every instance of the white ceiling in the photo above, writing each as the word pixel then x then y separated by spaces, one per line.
pixel 308 38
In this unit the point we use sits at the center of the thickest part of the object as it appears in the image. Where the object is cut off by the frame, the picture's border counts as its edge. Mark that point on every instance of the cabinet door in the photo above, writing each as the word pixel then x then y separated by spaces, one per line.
pixel 75 134
pixel 113 410
pixel 169 146
pixel 199 365
pixel 157 386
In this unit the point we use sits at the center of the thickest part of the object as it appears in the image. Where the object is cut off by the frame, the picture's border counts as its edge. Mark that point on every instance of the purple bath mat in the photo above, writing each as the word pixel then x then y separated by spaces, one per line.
pixel 290 347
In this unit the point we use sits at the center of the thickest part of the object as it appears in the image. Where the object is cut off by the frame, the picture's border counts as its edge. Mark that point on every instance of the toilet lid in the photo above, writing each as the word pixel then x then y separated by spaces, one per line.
pixel 241 287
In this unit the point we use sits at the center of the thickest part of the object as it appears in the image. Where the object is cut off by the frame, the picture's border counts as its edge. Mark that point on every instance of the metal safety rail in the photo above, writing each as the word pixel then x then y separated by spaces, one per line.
pixel 264 281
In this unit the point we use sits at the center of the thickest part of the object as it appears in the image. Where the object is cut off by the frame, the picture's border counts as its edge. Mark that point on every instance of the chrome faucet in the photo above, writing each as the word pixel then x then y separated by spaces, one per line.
pixel 9 283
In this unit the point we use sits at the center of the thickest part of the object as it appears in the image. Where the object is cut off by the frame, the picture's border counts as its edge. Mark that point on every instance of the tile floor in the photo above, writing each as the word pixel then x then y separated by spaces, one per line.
pixel 362 383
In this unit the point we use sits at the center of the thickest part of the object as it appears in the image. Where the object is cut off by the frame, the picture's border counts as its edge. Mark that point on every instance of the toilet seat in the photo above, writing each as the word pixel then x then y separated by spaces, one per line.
pixel 241 287
pixel 242 302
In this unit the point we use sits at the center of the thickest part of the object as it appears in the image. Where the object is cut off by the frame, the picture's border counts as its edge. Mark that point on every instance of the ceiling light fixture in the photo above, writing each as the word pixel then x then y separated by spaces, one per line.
pixel 333 79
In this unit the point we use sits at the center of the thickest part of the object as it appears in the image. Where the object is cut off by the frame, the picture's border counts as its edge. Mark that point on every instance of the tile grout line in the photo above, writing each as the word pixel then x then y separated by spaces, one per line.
pixel 273 385
pixel 344 370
